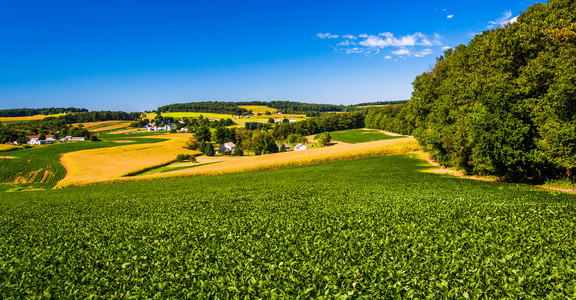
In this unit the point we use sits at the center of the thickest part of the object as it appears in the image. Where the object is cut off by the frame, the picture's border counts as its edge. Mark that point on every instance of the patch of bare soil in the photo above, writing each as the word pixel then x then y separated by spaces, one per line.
pixel 441 170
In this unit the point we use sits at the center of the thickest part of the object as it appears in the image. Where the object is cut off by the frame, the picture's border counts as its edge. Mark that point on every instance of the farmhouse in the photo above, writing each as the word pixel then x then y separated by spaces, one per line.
pixel 286 146
pixel 227 147
pixel 300 147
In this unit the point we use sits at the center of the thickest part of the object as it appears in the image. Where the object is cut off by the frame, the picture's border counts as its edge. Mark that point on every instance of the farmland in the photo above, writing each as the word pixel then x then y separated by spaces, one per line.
pixel 225 164
pixel 40 167
pixel 26 119
pixel 375 227
pixel 101 164
pixel 258 109
pixel 354 136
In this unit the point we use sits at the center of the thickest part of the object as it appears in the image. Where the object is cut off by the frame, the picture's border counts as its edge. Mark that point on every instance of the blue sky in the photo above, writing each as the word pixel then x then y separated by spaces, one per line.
pixel 138 55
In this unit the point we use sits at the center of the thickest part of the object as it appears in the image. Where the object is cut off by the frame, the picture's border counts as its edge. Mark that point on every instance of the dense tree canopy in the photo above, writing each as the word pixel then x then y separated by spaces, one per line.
pixel 506 103
pixel 24 112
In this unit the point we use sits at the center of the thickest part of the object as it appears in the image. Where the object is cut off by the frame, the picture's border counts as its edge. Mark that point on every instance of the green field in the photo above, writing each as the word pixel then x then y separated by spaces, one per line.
pixel 354 136
pixel 40 167
pixel 375 228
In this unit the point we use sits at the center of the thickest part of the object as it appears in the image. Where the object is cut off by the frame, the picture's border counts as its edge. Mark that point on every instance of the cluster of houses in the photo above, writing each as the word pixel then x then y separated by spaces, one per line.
pixel 280 121
pixel 35 140
pixel 229 147
pixel 153 127
pixel 297 147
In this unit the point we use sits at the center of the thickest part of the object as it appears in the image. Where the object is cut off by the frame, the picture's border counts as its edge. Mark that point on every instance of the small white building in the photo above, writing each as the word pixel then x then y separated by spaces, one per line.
pixel 227 147
pixel 300 147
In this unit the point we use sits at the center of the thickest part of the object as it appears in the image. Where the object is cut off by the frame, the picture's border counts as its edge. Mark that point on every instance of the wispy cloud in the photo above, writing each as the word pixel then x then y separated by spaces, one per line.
pixel 327 35
pixel 506 18
pixel 450 16
pixel 386 43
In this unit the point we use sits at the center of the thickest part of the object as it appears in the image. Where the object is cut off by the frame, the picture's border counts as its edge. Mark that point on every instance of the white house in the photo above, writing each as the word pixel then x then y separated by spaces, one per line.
pixel 300 147
pixel 227 147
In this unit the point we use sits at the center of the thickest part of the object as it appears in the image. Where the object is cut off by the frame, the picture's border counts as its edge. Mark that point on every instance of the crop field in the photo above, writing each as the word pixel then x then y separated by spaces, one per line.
pixel 120 125
pixel 191 115
pixel 354 136
pixel 90 125
pixel 7 147
pixel 26 119
pixel 40 167
pixel 227 165
pixel 87 166
pixel 258 109
pixel 375 227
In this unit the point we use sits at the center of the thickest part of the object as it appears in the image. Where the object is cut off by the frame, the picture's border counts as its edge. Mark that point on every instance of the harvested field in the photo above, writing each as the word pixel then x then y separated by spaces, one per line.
pixel 95 165
pixel 89 125
pixel 227 165
pixel 27 118
pixel 7 147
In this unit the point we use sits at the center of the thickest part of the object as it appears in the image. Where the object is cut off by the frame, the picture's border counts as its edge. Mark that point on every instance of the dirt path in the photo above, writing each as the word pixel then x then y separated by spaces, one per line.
pixel 442 170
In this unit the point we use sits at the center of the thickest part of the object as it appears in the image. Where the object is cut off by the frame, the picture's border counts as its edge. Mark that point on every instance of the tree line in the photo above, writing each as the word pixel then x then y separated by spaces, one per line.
pixel 59 126
pixel 231 108
pixel 26 112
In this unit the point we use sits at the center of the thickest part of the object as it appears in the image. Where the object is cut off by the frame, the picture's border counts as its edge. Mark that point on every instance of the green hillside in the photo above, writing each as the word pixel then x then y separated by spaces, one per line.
pixel 377 227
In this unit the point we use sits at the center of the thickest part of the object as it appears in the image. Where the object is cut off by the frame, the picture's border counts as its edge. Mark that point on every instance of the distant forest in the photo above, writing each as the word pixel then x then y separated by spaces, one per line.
pixel 26 112
pixel 311 109
pixel 60 125
pixel 505 104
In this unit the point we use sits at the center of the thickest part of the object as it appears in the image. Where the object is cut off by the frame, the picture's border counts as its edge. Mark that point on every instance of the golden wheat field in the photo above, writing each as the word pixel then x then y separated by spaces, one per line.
pixel 104 125
pixel 96 165
pixel 111 127
pixel 228 165
pixel 258 108
pixel 6 147
pixel 27 118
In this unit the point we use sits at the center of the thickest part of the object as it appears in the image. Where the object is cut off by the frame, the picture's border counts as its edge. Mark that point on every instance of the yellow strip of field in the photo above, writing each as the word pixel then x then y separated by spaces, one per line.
pixel 227 165
pixel 7 147
pixel 131 130
pixel 96 165
pixel 258 108
pixel 89 125
pixel 191 115
pixel 27 118
pixel 111 127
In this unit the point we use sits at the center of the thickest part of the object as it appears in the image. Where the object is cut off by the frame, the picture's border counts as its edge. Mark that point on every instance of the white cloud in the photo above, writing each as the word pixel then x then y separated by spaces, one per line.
pixel 327 35
pixel 390 45
pixel 423 53
pixel 402 51
pixel 502 21
pixel 450 16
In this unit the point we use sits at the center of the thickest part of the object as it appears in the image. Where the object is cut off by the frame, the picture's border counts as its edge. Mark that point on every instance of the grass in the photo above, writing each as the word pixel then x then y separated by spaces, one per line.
pixel 94 165
pixel 354 136
pixel 372 228
pixel 177 166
